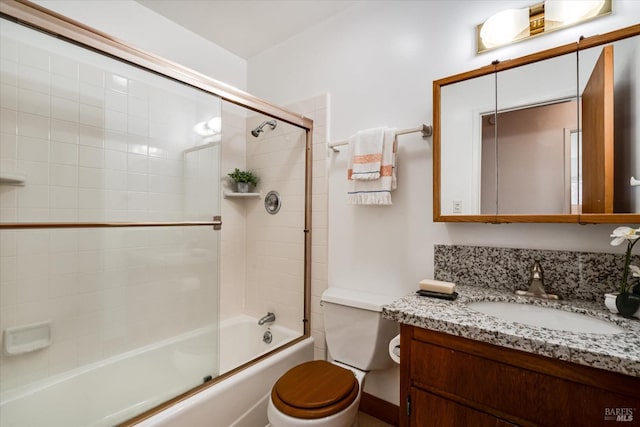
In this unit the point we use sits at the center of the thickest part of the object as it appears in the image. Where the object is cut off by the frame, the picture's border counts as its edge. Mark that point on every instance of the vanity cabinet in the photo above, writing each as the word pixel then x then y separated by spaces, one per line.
pixel 453 381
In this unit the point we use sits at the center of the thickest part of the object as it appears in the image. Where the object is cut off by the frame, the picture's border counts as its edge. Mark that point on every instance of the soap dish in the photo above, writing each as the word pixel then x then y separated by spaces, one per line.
pixel 439 295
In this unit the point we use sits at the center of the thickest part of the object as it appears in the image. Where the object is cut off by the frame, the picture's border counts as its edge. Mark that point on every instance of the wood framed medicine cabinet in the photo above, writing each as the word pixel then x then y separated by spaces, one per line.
pixel 574 166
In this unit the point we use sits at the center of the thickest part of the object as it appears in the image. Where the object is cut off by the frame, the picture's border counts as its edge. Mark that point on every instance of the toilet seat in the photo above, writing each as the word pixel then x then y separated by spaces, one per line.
pixel 315 389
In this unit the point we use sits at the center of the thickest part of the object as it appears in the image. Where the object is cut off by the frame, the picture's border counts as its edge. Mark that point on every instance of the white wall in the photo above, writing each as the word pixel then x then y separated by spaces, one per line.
pixel 133 23
pixel 378 61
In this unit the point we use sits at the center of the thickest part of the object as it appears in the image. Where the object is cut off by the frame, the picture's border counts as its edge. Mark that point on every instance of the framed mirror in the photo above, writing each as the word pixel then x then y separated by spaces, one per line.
pixel 548 137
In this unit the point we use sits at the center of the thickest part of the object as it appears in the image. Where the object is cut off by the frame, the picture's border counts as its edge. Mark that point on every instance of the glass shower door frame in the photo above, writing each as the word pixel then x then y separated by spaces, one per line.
pixel 35 16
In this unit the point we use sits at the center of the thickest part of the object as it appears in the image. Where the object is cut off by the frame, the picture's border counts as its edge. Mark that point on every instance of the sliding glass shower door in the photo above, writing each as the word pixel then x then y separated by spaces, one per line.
pixel 109 248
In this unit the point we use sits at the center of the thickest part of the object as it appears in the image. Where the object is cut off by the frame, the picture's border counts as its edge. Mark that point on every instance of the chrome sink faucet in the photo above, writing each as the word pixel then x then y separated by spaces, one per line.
pixel 268 318
pixel 536 284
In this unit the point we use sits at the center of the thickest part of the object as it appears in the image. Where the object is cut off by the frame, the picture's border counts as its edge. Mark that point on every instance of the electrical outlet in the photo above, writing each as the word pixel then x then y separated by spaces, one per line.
pixel 457 206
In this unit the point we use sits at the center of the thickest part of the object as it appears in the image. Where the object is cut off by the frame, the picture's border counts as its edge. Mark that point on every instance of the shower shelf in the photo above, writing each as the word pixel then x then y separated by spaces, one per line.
pixel 13 178
pixel 236 195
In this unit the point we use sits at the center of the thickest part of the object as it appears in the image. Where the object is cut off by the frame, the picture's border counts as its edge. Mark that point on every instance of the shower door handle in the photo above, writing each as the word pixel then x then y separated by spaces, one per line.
pixel 217 222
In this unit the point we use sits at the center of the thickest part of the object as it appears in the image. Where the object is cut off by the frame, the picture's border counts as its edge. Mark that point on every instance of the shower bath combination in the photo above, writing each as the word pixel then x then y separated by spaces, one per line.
pixel 257 131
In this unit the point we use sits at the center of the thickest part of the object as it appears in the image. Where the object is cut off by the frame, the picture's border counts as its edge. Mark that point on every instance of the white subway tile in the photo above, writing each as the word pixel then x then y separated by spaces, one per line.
pixel 8 72
pixel 91 178
pixel 116 101
pixel 33 79
pixel 32 279
pixel 36 196
pixel 115 121
pixel 91 215
pixel 33 214
pixel 33 149
pixel 136 182
pixel 91 136
pixel 92 75
pixel 63 131
pixel 63 215
pixel 63 198
pixel 8 214
pixel 8 269
pixel 90 157
pixel 8 96
pixel 90 261
pixel 116 180
pixel 64 66
pixel 7 243
pixel 33 125
pixel 115 160
pixel 117 83
pixel 137 201
pixel 9 49
pixel 29 242
pixel 116 200
pixel 91 94
pixel 8 121
pixel 63 175
pixel 63 153
pixel 65 87
pixel 138 89
pixel 138 107
pixel 9 199
pixel 91 115
pixel 137 163
pixel 138 126
pixel 8 146
pixel 8 294
pixel 63 356
pixel 64 109
pixel 115 140
pixel 63 240
pixel 91 198
pixel 33 57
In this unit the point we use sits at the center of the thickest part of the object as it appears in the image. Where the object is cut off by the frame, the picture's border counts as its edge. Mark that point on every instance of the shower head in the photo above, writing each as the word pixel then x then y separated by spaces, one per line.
pixel 256 132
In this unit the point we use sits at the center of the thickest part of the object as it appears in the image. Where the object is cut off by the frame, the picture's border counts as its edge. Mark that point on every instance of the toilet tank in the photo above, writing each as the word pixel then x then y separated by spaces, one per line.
pixel 355 331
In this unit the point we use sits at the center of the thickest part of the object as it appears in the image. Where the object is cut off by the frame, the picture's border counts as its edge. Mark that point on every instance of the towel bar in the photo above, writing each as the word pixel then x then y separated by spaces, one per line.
pixel 427 131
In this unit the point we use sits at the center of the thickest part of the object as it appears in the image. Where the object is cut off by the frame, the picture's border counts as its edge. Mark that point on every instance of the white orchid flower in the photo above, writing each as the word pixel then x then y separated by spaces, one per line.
pixel 635 270
pixel 622 234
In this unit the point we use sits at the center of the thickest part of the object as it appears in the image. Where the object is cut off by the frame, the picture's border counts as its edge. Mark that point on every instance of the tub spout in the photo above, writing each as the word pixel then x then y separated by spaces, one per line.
pixel 269 318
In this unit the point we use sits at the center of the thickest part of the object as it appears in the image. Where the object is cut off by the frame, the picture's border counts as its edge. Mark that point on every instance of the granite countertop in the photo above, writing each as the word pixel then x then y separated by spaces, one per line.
pixel 613 352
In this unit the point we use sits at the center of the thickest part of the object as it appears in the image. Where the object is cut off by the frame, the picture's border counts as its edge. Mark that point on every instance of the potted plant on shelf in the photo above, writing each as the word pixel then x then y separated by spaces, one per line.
pixel 243 179
pixel 627 300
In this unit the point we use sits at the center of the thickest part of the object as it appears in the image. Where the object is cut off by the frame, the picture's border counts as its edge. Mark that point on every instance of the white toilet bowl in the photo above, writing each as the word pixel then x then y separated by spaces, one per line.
pixel 343 418
pixel 323 394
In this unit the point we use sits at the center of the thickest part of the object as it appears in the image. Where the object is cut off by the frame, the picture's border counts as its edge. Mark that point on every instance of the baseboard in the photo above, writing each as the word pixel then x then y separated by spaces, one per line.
pixel 380 409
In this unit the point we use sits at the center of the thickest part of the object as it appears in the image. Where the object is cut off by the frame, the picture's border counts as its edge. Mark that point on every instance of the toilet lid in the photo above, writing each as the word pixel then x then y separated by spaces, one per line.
pixel 315 389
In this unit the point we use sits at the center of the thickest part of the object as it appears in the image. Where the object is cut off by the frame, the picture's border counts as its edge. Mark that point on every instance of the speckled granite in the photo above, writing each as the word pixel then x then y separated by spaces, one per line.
pixel 580 275
pixel 617 352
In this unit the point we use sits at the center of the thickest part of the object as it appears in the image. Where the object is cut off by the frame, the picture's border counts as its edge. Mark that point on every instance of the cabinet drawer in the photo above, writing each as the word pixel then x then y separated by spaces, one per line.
pixel 530 396
pixel 431 410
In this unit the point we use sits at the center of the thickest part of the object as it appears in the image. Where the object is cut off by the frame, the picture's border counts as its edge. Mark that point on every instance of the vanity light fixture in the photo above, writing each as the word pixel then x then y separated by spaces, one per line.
pixel 512 25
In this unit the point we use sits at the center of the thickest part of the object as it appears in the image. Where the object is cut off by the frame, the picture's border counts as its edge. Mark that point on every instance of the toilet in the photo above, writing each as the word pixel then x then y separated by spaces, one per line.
pixel 327 394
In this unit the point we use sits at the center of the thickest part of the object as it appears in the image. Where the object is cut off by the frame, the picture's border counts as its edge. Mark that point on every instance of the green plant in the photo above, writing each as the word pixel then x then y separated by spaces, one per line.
pixel 244 176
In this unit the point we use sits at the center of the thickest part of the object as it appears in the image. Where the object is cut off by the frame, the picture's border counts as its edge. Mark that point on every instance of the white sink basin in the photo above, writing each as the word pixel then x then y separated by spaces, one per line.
pixel 545 317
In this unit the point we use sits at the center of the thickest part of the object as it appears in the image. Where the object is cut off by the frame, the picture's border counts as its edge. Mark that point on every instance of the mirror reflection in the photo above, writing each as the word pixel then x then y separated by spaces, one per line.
pixel 555 136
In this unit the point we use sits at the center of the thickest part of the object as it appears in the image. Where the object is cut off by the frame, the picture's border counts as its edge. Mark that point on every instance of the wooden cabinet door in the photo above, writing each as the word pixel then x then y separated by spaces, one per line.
pixel 597 137
pixel 430 410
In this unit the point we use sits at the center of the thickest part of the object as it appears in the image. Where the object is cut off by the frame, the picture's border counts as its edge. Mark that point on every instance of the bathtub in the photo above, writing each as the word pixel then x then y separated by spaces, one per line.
pixel 114 390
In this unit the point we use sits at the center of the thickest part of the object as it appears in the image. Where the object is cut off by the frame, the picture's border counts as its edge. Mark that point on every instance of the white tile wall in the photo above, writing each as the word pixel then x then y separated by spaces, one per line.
pixel 262 256
pixel 79 127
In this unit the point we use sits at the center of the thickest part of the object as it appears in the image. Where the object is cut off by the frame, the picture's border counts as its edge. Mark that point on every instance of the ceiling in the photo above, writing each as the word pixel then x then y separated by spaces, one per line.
pixel 247 27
